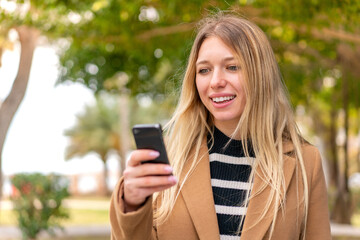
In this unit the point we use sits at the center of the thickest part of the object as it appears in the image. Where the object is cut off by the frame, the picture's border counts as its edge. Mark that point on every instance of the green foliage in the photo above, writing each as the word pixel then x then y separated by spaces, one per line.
pixel 96 129
pixel 38 202
pixel 147 108
pixel 135 37
pixel 139 37
pixel 306 35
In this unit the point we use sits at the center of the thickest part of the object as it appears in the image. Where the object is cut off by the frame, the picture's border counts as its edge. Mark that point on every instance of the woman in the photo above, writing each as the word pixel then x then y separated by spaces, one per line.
pixel 240 166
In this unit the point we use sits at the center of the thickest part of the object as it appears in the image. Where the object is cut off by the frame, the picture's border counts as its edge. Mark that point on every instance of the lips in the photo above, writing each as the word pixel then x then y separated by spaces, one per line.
pixel 222 99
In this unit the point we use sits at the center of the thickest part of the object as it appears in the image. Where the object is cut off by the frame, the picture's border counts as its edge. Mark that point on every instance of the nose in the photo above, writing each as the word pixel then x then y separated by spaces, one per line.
pixel 217 79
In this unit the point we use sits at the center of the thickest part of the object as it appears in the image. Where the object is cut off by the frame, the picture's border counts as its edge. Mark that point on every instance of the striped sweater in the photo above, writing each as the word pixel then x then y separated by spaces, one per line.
pixel 230 171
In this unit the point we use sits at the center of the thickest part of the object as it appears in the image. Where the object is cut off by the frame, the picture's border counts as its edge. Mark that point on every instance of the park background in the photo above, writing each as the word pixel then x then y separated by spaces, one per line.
pixel 76 75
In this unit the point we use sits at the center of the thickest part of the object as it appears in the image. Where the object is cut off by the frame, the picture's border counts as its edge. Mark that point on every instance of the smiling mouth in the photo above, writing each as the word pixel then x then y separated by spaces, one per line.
pixel 222 99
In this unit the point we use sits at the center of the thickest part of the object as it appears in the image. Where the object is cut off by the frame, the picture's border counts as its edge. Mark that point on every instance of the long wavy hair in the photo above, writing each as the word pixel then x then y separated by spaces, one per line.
pixel 267 119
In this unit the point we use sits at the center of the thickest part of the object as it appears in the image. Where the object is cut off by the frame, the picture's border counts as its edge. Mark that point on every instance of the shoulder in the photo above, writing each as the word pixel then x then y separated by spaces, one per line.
pixel 312 162
pixel 309 152
pixel 310 156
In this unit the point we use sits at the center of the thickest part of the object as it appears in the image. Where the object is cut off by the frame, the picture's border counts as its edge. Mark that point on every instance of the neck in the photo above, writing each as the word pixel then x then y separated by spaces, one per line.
pixel 228 130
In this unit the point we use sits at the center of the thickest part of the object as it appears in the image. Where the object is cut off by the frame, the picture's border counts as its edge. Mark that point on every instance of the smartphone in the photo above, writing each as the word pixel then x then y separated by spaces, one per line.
pixel 149 136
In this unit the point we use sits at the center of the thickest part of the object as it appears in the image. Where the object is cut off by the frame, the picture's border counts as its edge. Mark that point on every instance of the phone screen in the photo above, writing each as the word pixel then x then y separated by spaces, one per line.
pixel 149 136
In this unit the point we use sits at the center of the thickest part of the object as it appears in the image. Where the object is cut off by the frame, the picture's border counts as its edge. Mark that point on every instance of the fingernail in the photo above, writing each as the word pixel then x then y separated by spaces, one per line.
pixel 154 154
pixel 168 169
pixel 172 179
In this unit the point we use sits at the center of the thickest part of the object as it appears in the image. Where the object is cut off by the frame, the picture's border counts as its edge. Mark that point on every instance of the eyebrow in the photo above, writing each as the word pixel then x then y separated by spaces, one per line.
pixel 206 61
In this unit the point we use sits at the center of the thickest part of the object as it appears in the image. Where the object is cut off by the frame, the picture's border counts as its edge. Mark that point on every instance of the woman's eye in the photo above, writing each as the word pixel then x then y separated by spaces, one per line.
pixel 203 70
pixel 233 68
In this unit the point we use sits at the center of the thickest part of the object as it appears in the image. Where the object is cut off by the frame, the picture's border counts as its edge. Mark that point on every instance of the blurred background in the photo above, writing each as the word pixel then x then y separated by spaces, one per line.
pixel 76 75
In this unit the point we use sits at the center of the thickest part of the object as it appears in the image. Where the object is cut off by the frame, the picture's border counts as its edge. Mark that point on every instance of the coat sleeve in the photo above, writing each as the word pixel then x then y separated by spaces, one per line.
pixel 133 225
pixel 318 222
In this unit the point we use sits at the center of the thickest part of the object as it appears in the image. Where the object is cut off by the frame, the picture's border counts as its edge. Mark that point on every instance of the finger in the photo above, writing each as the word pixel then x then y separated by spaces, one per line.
pixel 138 195
pixel 149 191
pixel 151 181
pixel 141 155
pixel 148 169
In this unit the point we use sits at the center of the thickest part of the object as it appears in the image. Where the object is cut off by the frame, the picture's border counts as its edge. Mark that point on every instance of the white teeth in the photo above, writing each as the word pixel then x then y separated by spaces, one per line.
pixel 222 99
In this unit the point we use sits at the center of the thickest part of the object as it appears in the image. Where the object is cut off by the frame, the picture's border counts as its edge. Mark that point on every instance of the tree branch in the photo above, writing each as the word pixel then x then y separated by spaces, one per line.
pixel 163 31
pixel 253 15
pixel 28 37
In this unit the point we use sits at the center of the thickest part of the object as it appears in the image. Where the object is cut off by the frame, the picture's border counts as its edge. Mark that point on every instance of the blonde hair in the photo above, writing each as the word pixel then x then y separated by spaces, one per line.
pixel 267 119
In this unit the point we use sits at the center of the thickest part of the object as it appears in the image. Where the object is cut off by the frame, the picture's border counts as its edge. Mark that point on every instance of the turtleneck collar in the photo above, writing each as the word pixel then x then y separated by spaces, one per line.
pixel 225 145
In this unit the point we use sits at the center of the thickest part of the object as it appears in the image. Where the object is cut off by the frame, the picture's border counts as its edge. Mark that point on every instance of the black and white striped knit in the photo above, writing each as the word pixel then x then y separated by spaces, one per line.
pixel 230 171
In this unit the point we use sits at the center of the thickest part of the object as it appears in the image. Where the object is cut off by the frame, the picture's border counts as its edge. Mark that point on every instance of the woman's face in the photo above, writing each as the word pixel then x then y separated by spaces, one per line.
pixel 219 81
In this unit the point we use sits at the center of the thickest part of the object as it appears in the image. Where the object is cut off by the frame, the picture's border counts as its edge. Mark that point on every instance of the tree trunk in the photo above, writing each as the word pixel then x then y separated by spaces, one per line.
pixel 334 174
pixel 358 131
pixel 346 127
pixel 105 178
pixel 124 128
pixel 348 59
pixel 358 150
pixel 28 37
pixel 328 133
pixel 104 188
pixel 342 211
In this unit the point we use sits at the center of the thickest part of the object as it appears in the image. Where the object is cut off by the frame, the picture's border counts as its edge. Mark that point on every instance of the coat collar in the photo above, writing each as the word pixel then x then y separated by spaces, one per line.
pixel 253 229
pixel 197 194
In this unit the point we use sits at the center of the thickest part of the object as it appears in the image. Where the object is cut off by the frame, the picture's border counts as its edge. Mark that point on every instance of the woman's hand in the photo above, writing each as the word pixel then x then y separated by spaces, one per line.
pixel 142 180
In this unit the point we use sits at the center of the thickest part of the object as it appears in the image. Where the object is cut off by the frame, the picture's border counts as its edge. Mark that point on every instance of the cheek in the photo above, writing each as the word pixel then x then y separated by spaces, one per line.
pixel 243 100
pixel 239 84
pixel 201 88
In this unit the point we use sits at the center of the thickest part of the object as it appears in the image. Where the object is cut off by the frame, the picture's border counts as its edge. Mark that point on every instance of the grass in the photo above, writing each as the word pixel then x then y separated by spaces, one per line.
pixel 355 220
pixel 77 216
pixel 87 217
pixel 90 197
pixel 7 217
pixel 78 238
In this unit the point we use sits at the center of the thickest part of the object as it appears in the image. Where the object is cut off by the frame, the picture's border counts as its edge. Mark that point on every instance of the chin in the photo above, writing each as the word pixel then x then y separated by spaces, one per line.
pixel 226 119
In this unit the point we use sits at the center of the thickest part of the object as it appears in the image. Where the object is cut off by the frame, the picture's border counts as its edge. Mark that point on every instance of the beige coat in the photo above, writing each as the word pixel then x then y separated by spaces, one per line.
pixel 194 217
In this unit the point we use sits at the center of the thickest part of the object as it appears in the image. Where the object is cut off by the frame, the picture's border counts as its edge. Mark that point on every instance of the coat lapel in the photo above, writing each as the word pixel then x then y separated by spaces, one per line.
pixel 252 228
pixel 197 194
